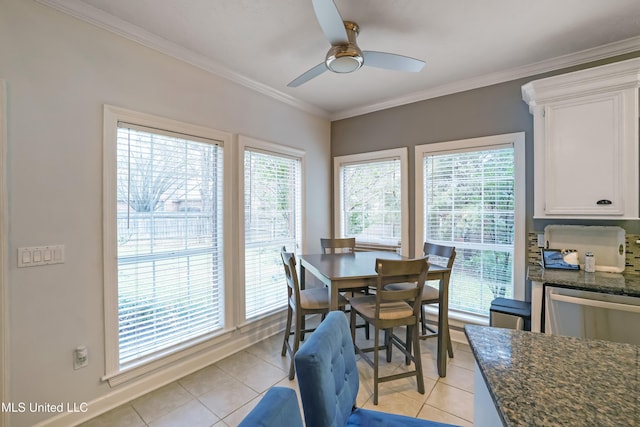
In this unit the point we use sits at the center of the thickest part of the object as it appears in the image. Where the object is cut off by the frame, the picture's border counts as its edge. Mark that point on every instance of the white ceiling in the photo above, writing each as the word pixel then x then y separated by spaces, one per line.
pixel 264 44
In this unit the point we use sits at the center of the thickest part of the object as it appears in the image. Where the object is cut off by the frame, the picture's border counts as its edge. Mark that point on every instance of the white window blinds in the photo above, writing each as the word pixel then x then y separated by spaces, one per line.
pixel 469 204
pixel 169 233
pixel 371 201
pixel 273 219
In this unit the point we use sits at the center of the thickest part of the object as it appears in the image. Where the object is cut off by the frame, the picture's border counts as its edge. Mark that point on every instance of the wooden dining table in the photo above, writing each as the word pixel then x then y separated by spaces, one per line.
pixel 346 271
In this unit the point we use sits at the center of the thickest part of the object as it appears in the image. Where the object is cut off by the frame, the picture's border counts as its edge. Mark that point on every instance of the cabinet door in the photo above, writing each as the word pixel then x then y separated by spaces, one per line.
pixel 584 156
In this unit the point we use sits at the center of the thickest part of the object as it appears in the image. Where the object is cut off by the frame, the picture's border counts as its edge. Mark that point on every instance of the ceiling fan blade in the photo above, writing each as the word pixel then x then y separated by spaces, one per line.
pixel 308 75
pixel 330 21
pixel 391 61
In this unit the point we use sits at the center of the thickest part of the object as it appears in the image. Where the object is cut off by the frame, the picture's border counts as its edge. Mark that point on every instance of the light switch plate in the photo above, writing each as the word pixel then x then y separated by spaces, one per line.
pixel 34 256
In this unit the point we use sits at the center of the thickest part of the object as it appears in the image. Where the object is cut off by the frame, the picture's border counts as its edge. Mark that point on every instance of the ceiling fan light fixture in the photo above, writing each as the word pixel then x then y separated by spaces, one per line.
pixel 345 56
pixel 344 59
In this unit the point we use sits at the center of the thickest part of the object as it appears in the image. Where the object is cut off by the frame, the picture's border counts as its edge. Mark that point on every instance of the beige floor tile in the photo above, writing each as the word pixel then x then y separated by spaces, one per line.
pixel 434 414
pixel 459 377
pixel 452 400
pixel 122 416
pixel 270 350
pixel 204 380
pixel 395 403
pixel 236 417
pixel 462 347
pixel 227 397
pixel 160 402
pixel 227 391
pixel 463 359
pixel 192 414
pixel 430 365
pixel 251 370
pixel 408 387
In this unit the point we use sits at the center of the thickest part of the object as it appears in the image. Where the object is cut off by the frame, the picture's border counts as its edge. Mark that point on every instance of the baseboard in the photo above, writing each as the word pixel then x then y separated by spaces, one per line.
pixel 458 336
pixel 135 389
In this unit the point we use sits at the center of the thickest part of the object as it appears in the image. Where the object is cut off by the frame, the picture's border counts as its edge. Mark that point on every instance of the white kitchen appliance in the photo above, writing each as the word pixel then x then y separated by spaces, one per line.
pixel 594 315
pixel 591 313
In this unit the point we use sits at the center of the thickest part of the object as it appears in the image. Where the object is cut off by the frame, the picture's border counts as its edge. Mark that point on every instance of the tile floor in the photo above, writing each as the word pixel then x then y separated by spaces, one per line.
pixel 222 394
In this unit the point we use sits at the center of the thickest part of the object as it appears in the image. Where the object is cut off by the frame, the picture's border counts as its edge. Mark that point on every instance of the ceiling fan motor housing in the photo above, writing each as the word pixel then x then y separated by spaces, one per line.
pixel 346 58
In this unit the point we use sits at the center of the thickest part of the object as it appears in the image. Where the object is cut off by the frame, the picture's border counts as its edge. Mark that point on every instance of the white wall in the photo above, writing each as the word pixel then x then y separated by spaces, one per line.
pixel 59 73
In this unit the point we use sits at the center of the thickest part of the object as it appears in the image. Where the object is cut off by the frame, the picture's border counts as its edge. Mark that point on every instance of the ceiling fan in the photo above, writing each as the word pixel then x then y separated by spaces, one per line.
pixel 345 56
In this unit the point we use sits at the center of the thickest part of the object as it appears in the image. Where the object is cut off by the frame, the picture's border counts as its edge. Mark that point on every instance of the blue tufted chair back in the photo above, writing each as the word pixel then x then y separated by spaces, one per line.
pixel 327 373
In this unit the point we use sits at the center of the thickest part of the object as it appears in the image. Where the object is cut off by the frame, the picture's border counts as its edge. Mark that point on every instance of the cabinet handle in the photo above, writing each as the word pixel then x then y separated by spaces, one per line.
pixel 603 202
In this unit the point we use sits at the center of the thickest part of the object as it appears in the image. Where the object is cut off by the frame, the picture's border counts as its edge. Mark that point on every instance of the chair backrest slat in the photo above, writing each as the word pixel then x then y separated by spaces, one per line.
pixel 448 252
pixel 401 271
pixel 339 245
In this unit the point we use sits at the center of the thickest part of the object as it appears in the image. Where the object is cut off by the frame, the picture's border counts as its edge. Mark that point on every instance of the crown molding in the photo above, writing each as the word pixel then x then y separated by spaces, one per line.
pixel 99 18
pixel 566 61
pixel 106 21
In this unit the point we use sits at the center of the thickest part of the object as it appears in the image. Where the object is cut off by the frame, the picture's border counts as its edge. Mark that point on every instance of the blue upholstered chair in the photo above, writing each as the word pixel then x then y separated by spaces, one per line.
pixel 278 408
pixel 328 381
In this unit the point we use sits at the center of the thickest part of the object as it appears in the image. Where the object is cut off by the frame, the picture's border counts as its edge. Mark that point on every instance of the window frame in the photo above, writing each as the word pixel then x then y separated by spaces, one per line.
pixel 254 144
pixel 114 373
pixel 517 141
pixel 371 157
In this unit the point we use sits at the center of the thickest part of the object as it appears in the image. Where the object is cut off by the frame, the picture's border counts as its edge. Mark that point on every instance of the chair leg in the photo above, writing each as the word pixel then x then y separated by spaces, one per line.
pixel 408 341
pixel 387 343
pixel 423 322
pixel 376 357
pixel 296 345
pixel 417 357
pixel 287 331
pixel 352 324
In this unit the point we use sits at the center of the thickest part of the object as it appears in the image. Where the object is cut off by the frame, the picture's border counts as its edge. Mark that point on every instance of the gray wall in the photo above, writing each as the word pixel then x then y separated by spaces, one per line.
pixel 491 110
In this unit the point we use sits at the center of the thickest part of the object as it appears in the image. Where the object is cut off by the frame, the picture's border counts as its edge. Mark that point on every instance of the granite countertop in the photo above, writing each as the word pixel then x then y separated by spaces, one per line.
pixel 548 380
pixel 613 283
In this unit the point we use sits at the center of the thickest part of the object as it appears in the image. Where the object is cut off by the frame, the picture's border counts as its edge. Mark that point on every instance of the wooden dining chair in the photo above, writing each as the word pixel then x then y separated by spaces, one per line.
pixel 430 294
pixel 301 303
pixel 338 245
pixel 345 245
pixel 388 309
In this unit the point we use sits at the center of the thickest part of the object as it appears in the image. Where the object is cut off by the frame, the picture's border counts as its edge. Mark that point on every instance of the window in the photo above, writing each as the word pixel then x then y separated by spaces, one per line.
pixel 371 199
pixel 470 196
pixel 164 269
pixel 272 218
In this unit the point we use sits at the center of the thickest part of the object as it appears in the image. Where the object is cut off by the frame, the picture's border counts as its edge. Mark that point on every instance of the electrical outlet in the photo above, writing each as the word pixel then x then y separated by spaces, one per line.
pixel 80 357
pixel 541 240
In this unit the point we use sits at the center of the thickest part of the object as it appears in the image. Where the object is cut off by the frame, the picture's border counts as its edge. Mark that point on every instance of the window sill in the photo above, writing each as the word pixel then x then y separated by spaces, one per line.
pixel 173 356
pixel 459 319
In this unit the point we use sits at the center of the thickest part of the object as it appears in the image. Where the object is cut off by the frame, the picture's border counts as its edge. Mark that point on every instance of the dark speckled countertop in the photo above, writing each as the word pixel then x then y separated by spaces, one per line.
pixel 613 283
pixel 545 380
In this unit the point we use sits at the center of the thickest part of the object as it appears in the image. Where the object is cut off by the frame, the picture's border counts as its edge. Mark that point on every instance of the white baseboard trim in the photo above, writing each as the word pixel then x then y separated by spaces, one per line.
pixel 458 336
pixel 153 381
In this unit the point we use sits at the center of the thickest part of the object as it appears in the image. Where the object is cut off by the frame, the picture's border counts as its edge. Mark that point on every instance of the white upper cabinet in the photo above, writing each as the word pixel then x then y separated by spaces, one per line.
pixel 586 145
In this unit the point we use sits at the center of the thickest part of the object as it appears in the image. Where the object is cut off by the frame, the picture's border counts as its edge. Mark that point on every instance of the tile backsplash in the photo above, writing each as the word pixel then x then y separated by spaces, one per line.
pixel 632 251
